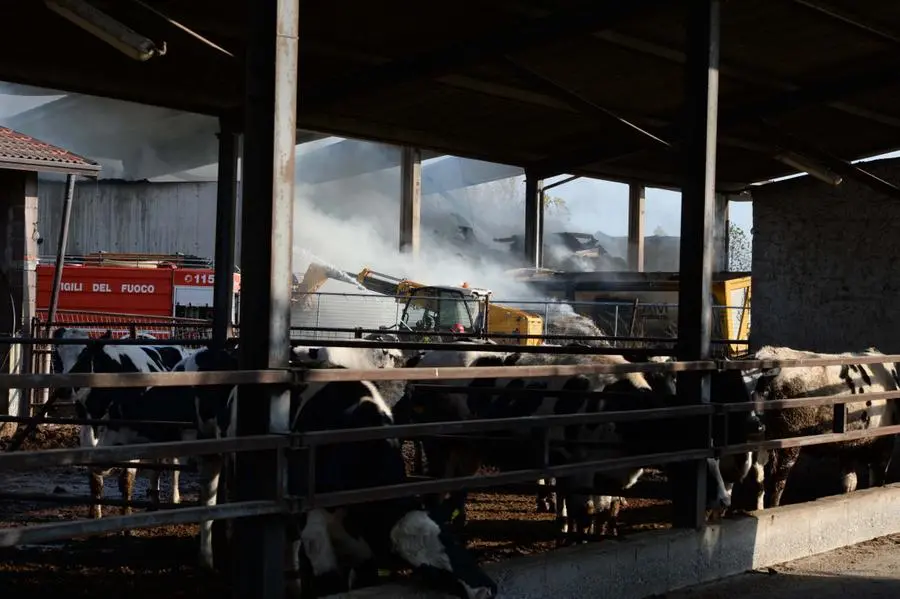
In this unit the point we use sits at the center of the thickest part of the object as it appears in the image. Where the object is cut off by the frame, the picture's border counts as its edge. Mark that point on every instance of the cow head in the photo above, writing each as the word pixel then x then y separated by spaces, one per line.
pixel 438 559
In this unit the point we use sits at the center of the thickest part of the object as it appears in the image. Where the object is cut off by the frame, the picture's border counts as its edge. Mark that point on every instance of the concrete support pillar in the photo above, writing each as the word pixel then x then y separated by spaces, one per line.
pixel 410 200
pixel 270 113
pixel 636 209
pixel 697 237
pixel 534 220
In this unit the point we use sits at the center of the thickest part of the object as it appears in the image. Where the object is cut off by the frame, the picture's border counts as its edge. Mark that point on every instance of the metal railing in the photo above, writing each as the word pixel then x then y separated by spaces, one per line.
pixel 304 445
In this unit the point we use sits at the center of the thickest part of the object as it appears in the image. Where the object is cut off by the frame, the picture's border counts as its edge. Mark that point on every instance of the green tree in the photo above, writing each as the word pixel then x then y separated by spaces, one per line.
pixel 554 203
pixel 740 249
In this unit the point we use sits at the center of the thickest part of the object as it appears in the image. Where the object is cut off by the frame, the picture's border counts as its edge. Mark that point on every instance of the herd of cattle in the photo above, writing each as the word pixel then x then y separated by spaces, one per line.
pixel 342 548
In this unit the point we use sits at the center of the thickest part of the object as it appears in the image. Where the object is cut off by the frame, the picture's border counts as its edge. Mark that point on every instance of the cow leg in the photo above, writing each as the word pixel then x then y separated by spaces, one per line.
pixel 758 483
pixel 418 457
pixel 606 519
pixel 848 476
pixel 878 466
pixel 176 478
pixel 210 467
pixel 96 493
pixel 782 463
pixel 546 500
pixel 126 488
pixel 153 488
pixel 722 499
pixel 461 462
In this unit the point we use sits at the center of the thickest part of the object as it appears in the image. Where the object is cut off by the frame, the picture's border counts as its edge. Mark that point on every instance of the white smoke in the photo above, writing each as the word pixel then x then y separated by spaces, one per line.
pixel 353 222
pixel 349 224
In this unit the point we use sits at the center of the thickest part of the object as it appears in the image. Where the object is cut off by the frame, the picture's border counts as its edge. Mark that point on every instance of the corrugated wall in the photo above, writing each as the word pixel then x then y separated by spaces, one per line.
pixel 120 216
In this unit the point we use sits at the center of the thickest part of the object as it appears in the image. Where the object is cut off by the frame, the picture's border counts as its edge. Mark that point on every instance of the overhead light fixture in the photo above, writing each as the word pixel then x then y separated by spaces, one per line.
pixel 106 28
pixel 806 166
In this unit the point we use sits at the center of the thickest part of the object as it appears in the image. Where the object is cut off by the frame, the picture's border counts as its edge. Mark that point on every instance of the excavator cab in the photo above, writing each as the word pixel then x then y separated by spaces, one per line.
pixel 442 310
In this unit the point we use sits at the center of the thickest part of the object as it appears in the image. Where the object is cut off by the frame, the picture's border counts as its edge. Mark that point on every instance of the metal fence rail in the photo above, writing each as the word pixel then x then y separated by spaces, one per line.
pixel 305 444
pixel 336 315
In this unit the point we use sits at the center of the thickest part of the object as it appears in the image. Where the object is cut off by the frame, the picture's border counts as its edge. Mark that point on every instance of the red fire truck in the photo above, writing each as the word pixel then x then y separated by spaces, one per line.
pixel 151 286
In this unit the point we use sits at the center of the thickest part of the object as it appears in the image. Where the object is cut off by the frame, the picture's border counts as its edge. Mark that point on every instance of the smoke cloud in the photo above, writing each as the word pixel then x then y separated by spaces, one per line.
pixel 353 222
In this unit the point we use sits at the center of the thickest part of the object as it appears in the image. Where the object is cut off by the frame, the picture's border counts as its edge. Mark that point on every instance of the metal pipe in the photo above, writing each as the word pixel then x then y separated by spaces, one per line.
pixel 30 460
pixel 56 531
pixel 561 182
pixel 61 248
pixel 96 421
pixel 80 500
pixel 480 481
pixel 146 379
pixel 356 435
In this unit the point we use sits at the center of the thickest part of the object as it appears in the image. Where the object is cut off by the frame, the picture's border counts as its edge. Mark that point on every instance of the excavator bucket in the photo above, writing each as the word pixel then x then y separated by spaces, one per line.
pixel 316 276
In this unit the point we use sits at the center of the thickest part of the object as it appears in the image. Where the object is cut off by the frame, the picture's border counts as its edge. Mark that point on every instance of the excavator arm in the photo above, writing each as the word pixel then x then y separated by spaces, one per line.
pixel 318 274
pixel 500 318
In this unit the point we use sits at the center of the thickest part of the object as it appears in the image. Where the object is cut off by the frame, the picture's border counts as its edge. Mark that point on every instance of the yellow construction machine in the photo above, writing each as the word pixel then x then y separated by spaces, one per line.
pixel 434 308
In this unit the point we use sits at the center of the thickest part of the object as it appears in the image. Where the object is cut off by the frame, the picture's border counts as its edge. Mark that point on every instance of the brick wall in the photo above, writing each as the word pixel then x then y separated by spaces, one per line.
pixel 826 264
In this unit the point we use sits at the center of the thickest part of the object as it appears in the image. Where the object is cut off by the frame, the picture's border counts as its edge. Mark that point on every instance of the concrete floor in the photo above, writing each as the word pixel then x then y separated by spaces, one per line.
pixel 870 570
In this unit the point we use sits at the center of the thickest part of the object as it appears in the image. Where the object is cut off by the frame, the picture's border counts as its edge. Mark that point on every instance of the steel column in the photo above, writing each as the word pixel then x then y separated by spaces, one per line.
pixel 226 205
pixel 410 200
pixel 534 216
pixel 266 252
pixel 697 223
pixel 636 209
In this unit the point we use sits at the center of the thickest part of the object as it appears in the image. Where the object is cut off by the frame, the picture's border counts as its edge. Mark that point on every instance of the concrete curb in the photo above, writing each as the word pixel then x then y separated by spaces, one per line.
pixel 662 561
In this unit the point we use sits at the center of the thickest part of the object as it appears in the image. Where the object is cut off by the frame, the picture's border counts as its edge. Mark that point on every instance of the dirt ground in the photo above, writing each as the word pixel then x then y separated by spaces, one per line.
pixel 151 561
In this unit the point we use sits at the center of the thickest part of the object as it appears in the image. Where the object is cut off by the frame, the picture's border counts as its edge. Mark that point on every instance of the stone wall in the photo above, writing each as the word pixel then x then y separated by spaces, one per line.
pixel 826 275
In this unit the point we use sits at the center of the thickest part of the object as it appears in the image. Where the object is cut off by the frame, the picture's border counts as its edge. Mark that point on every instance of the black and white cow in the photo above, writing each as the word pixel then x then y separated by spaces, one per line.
pixel 726 387
pixel 633 391
pixel 214 412
pixel 97 403
pixel 460 457
pixel 853 379
pixel 344 547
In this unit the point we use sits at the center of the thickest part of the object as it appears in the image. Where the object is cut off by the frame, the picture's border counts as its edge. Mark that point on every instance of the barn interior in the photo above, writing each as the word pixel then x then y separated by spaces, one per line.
pixel 694 96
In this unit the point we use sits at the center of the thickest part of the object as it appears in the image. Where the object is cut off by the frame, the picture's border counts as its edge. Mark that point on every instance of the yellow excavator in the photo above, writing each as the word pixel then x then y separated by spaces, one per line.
pixel 431 308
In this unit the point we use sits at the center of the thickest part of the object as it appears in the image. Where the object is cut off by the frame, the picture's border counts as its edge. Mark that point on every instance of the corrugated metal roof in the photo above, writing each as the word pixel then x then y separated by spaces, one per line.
pixel 23 152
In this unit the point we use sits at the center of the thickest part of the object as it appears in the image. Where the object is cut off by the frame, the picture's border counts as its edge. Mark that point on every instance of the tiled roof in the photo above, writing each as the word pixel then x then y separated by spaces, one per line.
pixel 23 152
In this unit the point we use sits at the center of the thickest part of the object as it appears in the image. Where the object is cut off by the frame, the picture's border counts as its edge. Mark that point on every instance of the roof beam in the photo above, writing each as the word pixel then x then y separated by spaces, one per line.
pixel 466 82
pixel 731 71
pixel 845 17
pixel 587 18
pixel 578 101
pixel 821 93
